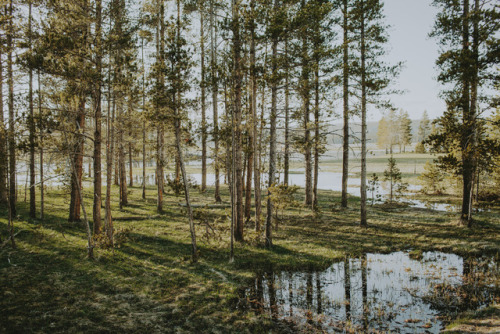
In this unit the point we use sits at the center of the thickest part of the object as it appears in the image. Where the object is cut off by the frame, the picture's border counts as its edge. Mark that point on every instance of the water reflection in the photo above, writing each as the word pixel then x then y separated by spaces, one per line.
pixel 375 293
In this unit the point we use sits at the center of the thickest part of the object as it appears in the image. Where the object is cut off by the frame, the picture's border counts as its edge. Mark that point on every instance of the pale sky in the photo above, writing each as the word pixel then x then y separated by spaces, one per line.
pixel 411 21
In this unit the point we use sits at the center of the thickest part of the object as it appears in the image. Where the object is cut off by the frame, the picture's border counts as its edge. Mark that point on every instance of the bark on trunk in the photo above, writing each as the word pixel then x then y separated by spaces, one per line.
pixel 3 144
pixel 121 157
pixel 203 107
pixel 305 94
pixel 143 122
pixel 316 135
pixel 273 116
pixel 130 165
pixel 237 78
pixel 194 250
pixel 215 91
pixel 110 146
pixel 77 162
pixel 160 46
pixel 32 129
pixel 345 75
pixel 40 146
pixel 96 209
pixel 11 133
pixel 466 140
pixel 287 118
pixel 363 118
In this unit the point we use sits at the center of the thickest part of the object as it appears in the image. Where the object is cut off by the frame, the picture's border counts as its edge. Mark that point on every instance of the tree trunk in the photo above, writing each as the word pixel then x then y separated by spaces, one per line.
pixel 32 129
pixel 273 116
pixel 287 117
pixel 203 107
pixel 466 140
pixel 130 164
pixel 96 210
pixel 248 187
pixel 363 117
pixel 194 251
pixel 215 90
pixel 121 157
pixel 160 46
pixel 117 166
pixel 304 91
pixel 77 162
pixel 345 75
pixel 237 78
pixel 42 190
pixel 110 146
pixel 11 133
pixel 90 246
pixel 253 111
pixel 317 137
pixel 180 159
pixel 143 122
pixel 3 144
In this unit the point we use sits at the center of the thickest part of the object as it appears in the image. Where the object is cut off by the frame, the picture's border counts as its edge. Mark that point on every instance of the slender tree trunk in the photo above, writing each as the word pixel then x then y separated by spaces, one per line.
pixel 203 106
pixel 473 106
pixel 215 90
pixel 287 117
pixel 77 162
pixel 130 165
pixel 121 157
pixel 231 174
pixel 3 143
pixel 273 116
pixel 317 137
pixel 90 246
pixel 116 158
pixel 143 122
pixel 253 107
pixel 11 133
pixel 110 146
pixel 32 130
pixel 194 251
pixel 468 120
pixel 159 169
pixel 237 78
pixel 345 75
pixel 96 209
pixel 363 117
pixel 249 171
pixel 160 45
pixel 40 146
pixel 180 159
pixel 304 89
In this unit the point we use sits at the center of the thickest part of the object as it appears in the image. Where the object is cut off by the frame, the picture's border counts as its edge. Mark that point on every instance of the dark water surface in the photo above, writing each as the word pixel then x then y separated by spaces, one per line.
pixel 394 292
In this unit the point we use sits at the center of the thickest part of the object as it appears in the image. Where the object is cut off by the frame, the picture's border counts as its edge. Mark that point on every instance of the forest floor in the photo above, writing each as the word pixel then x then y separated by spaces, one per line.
pixel 148 284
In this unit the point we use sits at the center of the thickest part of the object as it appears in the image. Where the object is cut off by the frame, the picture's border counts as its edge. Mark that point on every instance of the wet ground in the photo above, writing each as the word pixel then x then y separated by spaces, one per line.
pixel 399 293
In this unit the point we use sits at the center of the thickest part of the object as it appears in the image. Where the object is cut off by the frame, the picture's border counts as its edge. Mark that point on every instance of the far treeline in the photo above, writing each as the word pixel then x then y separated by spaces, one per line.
pixel 249 83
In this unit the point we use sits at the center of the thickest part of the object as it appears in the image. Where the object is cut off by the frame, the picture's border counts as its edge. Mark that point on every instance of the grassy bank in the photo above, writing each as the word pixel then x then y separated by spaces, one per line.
pixel 148 283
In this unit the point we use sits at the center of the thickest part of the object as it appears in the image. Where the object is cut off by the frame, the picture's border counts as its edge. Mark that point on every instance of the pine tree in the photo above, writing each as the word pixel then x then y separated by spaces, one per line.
pixel 468 32
pixel 405 129
pixel 346 30
pixel 374 75
pixel 423 132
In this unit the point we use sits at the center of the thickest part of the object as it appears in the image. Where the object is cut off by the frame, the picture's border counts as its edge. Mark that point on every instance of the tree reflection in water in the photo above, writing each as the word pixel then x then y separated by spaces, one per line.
pixel 376 292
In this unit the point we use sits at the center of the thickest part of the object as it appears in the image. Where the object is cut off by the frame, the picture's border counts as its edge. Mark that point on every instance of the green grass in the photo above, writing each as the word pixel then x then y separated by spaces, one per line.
pixel 148 284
